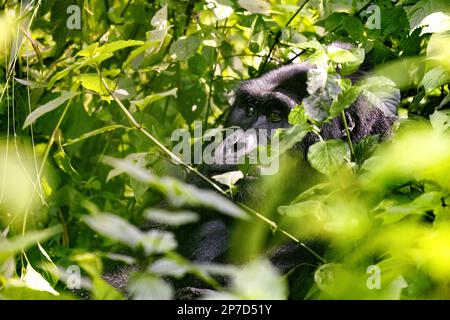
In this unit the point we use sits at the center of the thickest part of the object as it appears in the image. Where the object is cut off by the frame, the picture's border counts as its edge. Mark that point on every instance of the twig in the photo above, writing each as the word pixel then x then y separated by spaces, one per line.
pixel 278 36
pixel 349 139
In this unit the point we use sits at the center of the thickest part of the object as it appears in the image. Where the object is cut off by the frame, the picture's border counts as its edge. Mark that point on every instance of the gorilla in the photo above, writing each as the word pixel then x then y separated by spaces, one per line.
pixel 264 103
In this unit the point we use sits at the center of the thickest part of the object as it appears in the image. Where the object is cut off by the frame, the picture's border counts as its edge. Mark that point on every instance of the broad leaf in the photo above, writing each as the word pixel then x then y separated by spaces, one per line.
pixel 171 218
pixel 422 9
pixel 48 107
pixel 327 156
pixel 185 48
pixel 143 103
pixel 9 247
pixel 255 6
pixel 148 287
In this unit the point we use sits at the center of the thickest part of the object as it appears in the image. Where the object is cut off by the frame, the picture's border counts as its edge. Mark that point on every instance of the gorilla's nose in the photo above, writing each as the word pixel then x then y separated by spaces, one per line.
pixel 235 147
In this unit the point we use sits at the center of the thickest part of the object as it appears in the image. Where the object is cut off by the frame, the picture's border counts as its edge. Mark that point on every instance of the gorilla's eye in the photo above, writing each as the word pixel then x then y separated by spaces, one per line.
pixel 275 117
pixel 251 111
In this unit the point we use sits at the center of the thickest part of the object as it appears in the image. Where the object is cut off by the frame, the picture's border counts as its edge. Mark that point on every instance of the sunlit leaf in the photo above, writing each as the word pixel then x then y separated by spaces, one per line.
pixel 424 8
pixel 327 156
pixel 259 280
pixel 229 178
pixel 48 107
pixel 147 287
pixel 185 48
pixel 255 6
pixel 143 103
pixel 171 218
pixel 221 8
pixel 440 120
pixel 11 246
pixel 93 133
pixel 35 281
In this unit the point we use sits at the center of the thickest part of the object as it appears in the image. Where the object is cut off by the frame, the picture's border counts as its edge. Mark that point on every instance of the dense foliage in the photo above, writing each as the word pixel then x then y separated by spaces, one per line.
pixel 87 112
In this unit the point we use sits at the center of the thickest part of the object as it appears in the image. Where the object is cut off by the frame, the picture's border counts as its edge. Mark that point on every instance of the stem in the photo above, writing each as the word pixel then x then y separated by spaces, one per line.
pixel 278 36
pixel 52 138
pixel 349 139
pixel 177 161
pixel 211 82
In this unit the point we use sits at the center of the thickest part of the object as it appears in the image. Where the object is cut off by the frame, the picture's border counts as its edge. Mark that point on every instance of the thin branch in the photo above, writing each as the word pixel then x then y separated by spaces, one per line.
pixel 278 37
pixel 349 139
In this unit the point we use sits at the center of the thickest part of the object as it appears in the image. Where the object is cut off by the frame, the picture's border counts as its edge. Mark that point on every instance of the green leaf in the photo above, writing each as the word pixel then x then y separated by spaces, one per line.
pixel 118 45
pixel 148 287
pixel 94 133
pixel 435 78
pixel 340 55
pixel 222 9
pixel 259 280
pixel 345 99
pixel 159 19
pixel 35 281
pixel 48 107
pixel 304 219
pixel 157 241
pixel 354 27
pixel 229 178
pixel 91 81
pixel 290 137
pixel 117 228
pixel 94 54
pixel 102 290
pixel 325 276
pixel 259 35
pixel 169 267
pixel 382 93
pixel 322 96
pixel 171 218
pixel 327 156
pixel 31 84
pixel 435 23
pixel 297 116
pixel 440 120
pixel 143 103
pixel 417 13
pixel 185 48
pixel 63 162
pixel 365 148
pixel 9 247
pixel 420 205
pixel 255 6
pixel 17 290
pixel 63 73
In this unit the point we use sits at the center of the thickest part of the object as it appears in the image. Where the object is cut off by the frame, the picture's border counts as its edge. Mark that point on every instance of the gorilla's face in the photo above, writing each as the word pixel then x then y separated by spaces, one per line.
pixel 263 105
pixel 265 102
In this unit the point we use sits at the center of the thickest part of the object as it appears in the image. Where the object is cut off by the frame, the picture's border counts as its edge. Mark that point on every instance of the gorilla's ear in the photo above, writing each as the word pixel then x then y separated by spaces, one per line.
pixel 291 80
